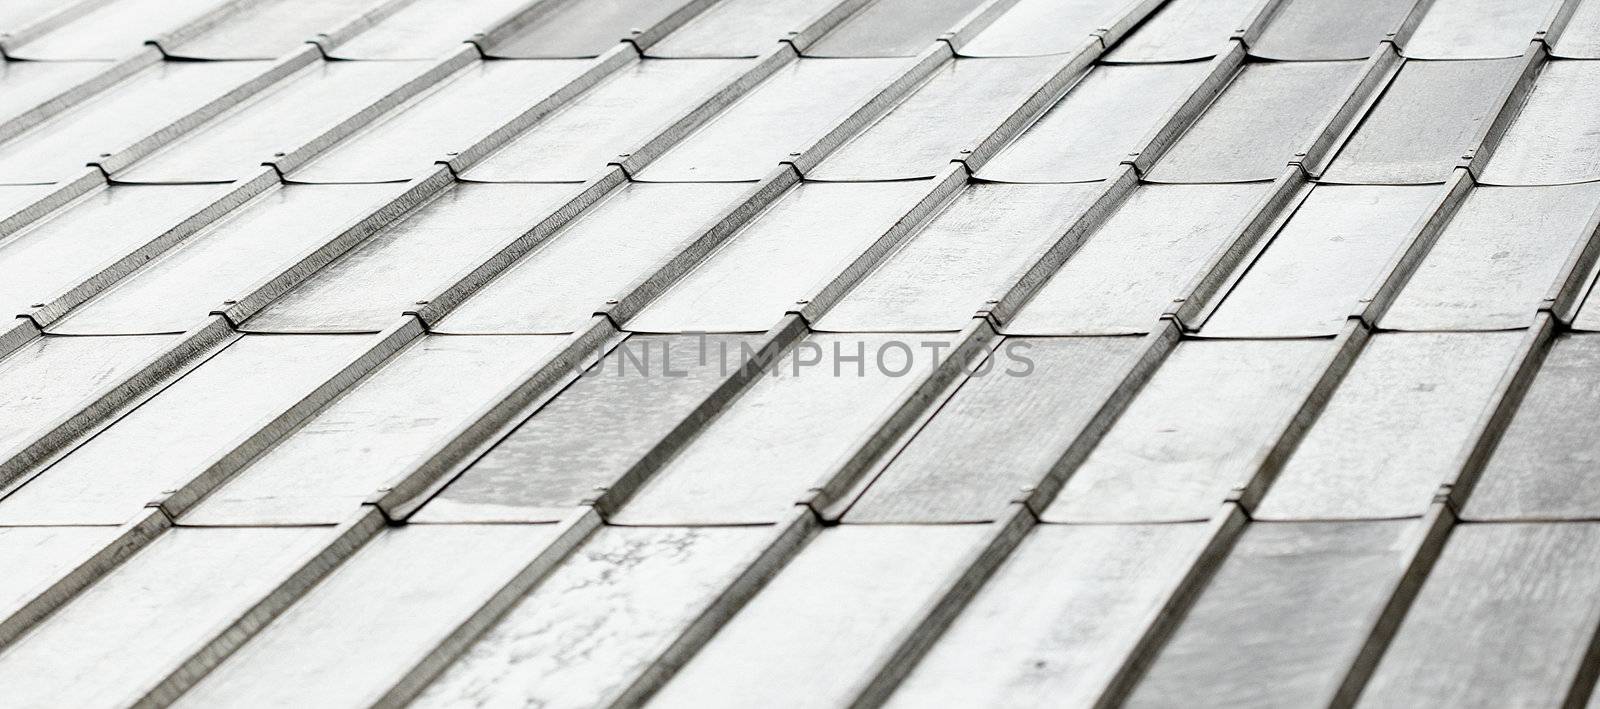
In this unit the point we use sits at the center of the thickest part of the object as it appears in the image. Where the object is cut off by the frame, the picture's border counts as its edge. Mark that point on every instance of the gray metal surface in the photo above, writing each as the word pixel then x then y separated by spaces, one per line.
pixel 26 85
pixel 892 28
pixel 1496 260
pixel 968 254
pixel 739 28
pixel 1426 118
pixel 1182 30
pixel 423 29
pixel 51 376
pixel 1581 37
pixel 1312 272
pixel 36 557
pixel 1477 29
pixel 1269 113
pixel 1319 29
pixel 957 107
pixel 1107 115
pixel 113 29
pixel 582 28
pixel 269 28
pixel 1033 27
pixel 1549 143
pixel 1391 433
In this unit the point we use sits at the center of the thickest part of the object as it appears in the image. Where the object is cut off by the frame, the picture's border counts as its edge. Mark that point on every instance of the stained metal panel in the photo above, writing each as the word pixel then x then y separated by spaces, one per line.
pixel 963 101
pixel 452 117
pixel 372 433
pixel 1198 429
pixel 114 642
pixel 785 254
pixel 266 30
pixel 968 254
pixel 591 433
pixel 1543 465
pixel 1182 30
pixel 599 620
pixel 1033 27
pixel 1426 118
pixel 279 119
pixel 1581 38
pixel 60 251
pixel 785 114
pixel 1504 619
pixel 369 286
pixel 35 557
pixel 169 438
pixel 1311 275
pixel 1055 622
pixel 1269 112
pixel 1494 262
pixel 118 117
pixel 739 28
pixel 584 28
pixel 113 29
pixel 1477 29
pixel 1394 429
pixel 893 28
pixel 1329 29
pixel 1549 142
pixel 354 635
pixel 255 241
pixel 828 614
pixel 616 116
pixel 51 377
pixel 788 432
pixel 1283 619
pixel 557 287
pixel 1084 137
pixel 25 85
pixel 1003 430
pixel 424 29
pixel 1131 268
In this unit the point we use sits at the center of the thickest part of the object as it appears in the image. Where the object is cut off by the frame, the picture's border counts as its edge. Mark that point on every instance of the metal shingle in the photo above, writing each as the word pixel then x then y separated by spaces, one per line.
pixel 1034 27
pixel 26 85
pixel 739 28
pixel 423 29
pixel 269 28
pixel 1182 30
pixel 114 29
pixel 1550 142
pixel 1581 37
pixel 583 28
pixel 50 376
pixel 892 28
pixel 1329 29
pixel 1477 29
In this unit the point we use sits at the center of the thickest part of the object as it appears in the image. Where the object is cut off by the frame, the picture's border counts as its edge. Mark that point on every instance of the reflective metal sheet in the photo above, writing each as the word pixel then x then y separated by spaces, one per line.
pixel 1269 112
pixel 15 198
pixel 1543 465
pixel 1504 619
pixel 959 106
pixel 785 254
pixel 359 630
pixel 787 432
pixel 584 28
pixel 1283 619
pixel 827 614
pixel 255 241
pixel 1182 30
pixel 591 433
pixel 118 117
pixel 1329 29
pixel 113 29
pixel 1311 275
pixel 560 285
pixel 424 29
pixel 453 116
pixel 600 619
pixel 1426 118
pixel 266 30
pixel 1131 268
pixel 1477 29
pixel 786 113
pixel 1581 38
pixel 739 28
pixel 59 252
pixel 1550 142
pixel 25 85
pixel 17 14
pixel 1003 430
pixel 51 377
pixel 1393 430
pixel 1199 428
pixel 35 557
pixel 375 431
pixel 1032 27
pixel 279 119
pixel 1494 262
pixel 1055 622
pixel 369 286
pixel 971 252
pixel 1107 115
pixel 169 438
pixel 893 28
pixel 124 633
pixel 614 117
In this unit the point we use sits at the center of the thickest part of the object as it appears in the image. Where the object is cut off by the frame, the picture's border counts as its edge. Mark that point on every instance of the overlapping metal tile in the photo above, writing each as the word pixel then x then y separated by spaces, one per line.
pixel 892 28
pixel 1550 142
pixel 582 28
pixel 26 85
pixel 1033 27
pixel 1477 29
pixel 739 28
pixel 1581 37
pixel 1183 30
pixel 51 376
pixel 1320 30
pixel 265 30
pixel 423 29
pixel 113 29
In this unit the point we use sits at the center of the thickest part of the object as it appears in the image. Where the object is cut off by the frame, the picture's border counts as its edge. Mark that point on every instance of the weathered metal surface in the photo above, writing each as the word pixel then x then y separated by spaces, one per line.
pixel 1581 37
pixel 269 28
pixel 1392 432
pixel 113 29
pixel 35 557
pixel 1317 29
pixel 1032 27
pixel 424 29
pixel 893 28
pixel 1477 29
pixel 50 377
pixel 1183 30
pixel 583 28
pixel 739 28
pixel 1549 143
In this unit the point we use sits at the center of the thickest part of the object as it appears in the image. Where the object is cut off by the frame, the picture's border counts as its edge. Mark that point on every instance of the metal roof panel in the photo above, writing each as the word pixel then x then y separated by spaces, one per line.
pixel 1477 29
pixel 892 28
pixel 1549 142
